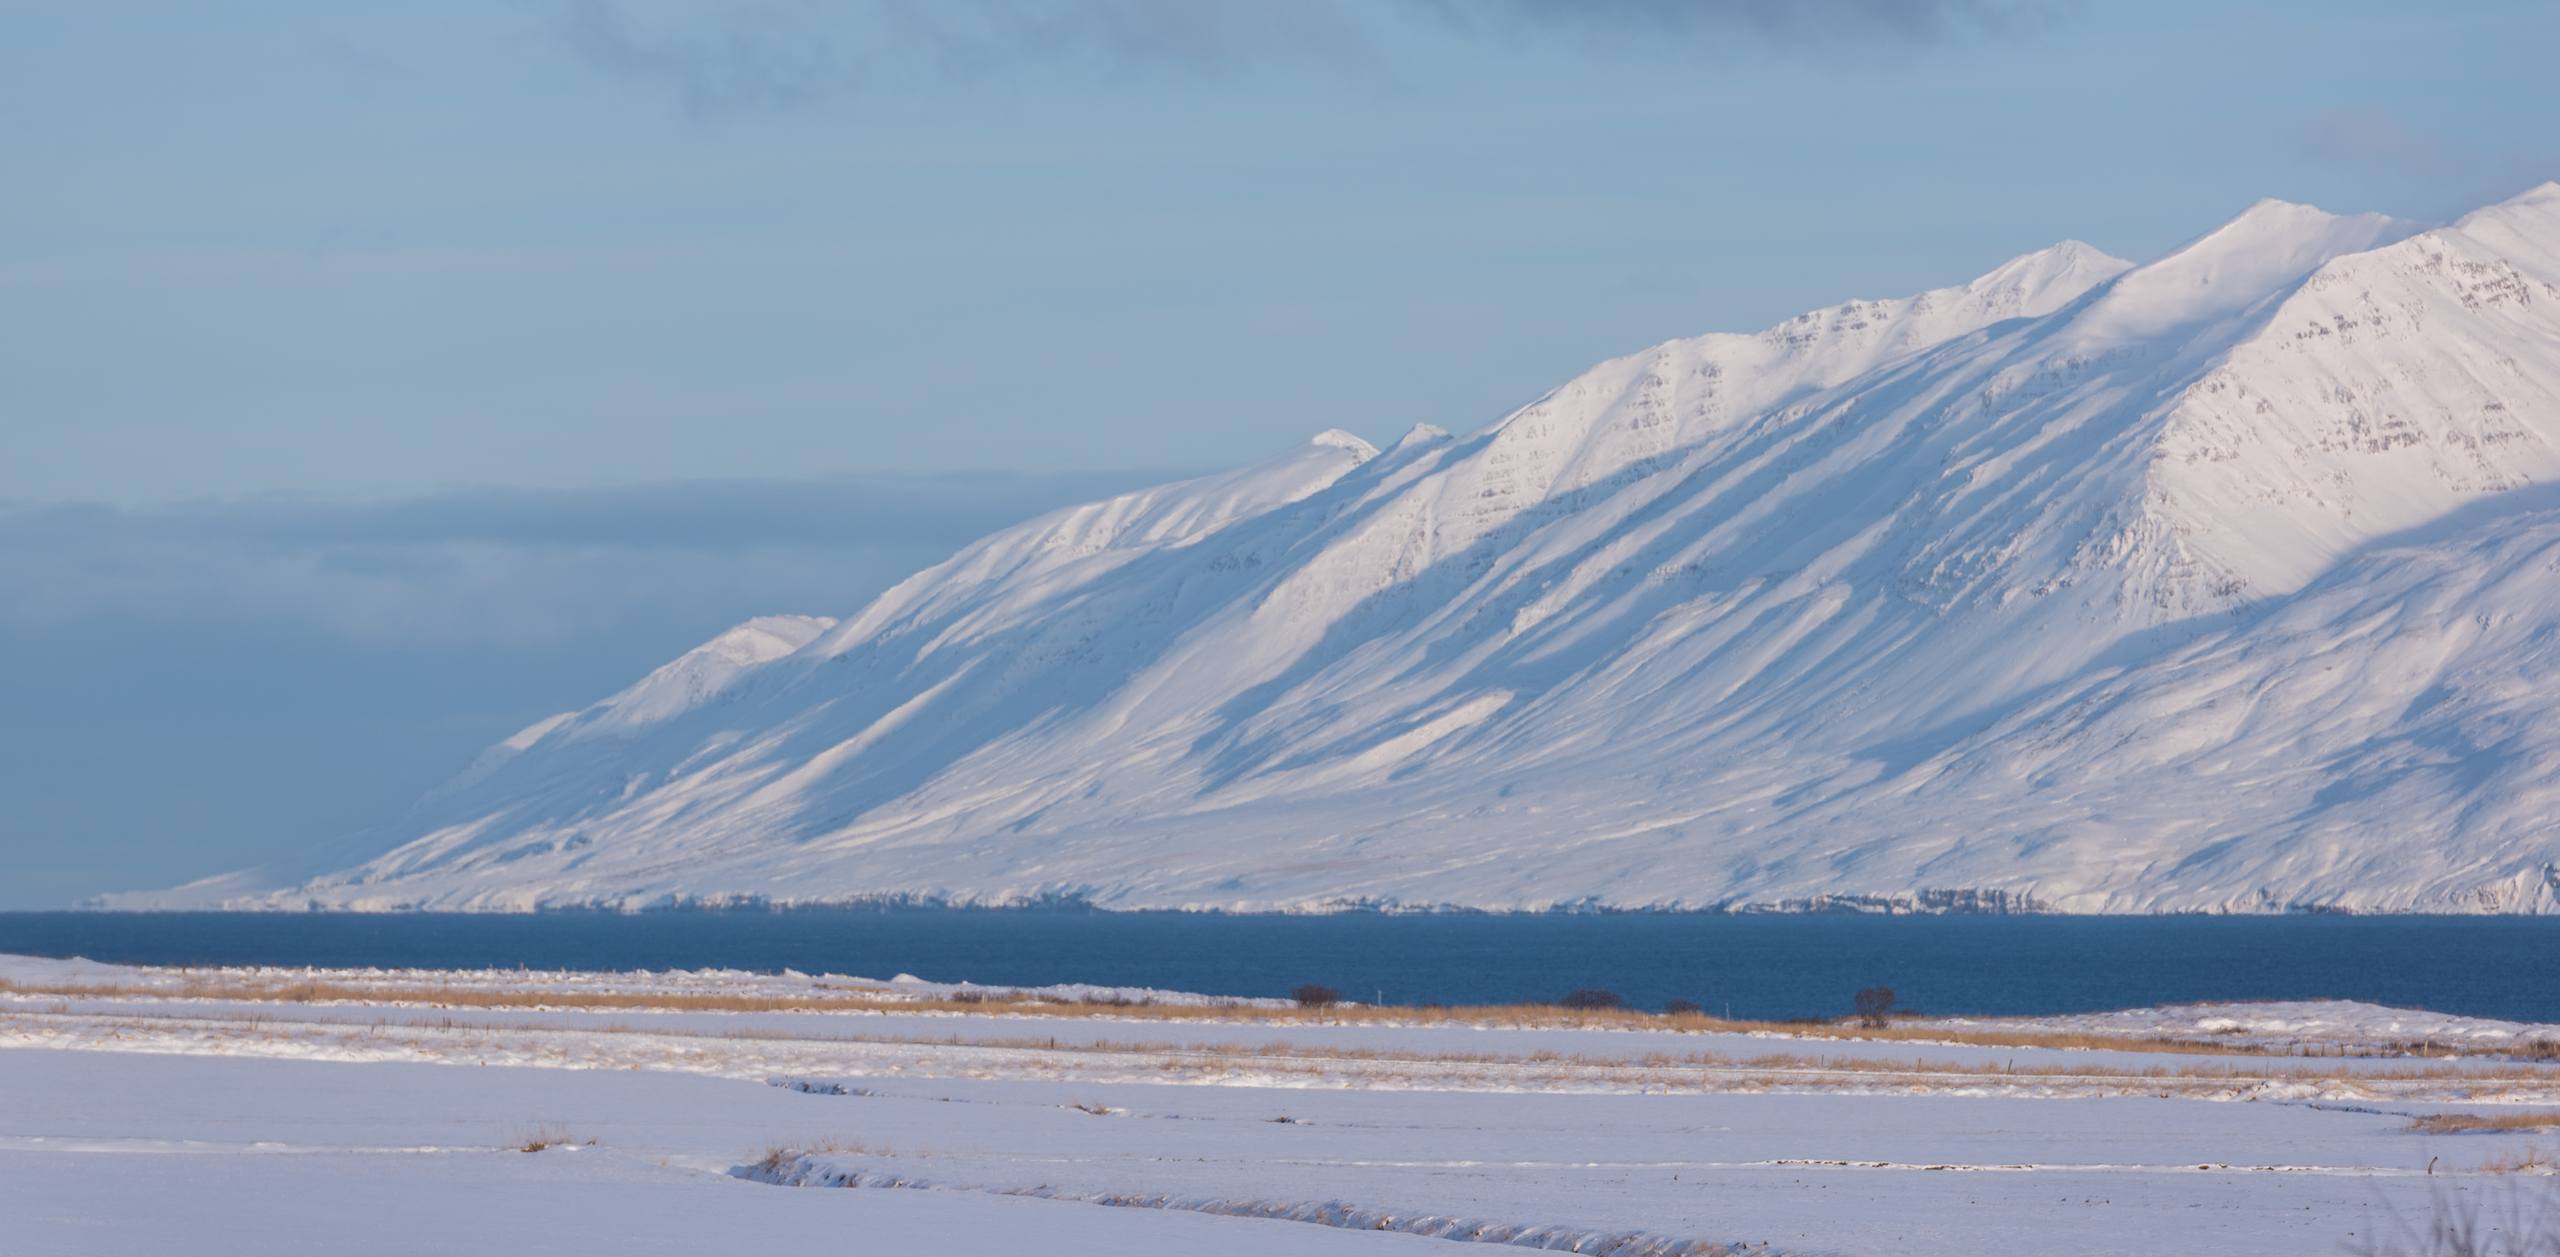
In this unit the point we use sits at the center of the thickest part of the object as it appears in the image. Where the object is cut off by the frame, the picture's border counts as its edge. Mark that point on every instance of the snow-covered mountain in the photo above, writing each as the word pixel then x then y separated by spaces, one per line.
pixel 2230 581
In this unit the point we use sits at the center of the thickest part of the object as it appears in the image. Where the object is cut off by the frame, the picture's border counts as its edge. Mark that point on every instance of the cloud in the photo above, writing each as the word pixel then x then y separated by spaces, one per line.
pixel 762 55
pixel 731 56
pixel 1775 23
pixel 2378 139
pixel 2440 176
pixel 508 567
pixel 204 686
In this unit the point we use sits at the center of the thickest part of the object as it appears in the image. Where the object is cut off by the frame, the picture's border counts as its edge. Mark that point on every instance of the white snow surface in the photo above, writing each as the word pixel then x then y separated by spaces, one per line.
pixel 2226 582
pixel 139 1124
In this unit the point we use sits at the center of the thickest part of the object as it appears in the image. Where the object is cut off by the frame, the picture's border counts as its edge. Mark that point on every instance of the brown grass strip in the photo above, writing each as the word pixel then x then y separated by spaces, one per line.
pixel 1501 1016
pixel 1739 1072
pixel 2467 1123
pixel 1233 1012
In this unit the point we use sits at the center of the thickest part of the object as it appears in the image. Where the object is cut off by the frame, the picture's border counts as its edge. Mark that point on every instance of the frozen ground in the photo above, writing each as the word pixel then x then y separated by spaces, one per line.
pixel 134 1121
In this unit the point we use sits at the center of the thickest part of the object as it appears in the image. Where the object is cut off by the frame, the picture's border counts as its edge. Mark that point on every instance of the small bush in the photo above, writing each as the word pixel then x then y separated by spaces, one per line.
pixel 1316 995
pixel 1683 1008
pixel 1875 1006
pixel 550 1137
pixel 1592 999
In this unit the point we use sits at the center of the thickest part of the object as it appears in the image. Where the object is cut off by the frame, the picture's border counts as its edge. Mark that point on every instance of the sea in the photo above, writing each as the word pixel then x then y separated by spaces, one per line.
pixel 1753 966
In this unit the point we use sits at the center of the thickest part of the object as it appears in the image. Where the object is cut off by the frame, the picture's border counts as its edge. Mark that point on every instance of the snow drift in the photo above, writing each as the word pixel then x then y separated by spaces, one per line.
pixel 2230 581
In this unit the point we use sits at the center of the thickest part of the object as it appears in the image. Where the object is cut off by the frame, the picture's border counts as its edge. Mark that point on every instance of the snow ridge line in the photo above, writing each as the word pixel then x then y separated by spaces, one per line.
pixel 807 1171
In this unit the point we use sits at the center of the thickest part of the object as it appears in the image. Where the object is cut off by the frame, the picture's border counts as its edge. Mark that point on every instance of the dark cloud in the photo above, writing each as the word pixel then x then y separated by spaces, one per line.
pixel 774 54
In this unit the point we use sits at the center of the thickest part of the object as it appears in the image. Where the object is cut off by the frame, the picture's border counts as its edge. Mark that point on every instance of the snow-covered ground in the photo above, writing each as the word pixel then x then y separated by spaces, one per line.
pixel 587 984
pixel 2295 1025
pixel 147 1115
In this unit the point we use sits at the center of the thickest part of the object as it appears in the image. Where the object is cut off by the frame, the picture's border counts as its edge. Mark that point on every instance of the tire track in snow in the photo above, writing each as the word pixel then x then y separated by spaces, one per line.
pixel 808 1171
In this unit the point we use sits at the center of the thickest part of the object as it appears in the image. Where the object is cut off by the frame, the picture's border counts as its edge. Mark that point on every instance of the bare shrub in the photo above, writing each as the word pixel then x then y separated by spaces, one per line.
pixel 550 1137
pixel 1316 995
pixel 2529 1161
pixel 778 1157
pixel 1875 1006
pixel 1592 999
pixel 1683 1008
pixel 2519 1227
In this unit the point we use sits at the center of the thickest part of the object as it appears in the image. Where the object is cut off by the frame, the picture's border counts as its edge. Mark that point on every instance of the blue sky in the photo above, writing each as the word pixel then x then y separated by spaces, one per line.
pixel 374 378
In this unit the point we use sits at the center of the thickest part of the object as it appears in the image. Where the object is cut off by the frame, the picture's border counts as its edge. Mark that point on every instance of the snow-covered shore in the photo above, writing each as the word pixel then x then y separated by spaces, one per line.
pixel 1223 1128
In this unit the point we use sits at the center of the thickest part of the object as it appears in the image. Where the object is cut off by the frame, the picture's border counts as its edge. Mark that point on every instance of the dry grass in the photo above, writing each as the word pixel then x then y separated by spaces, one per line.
pixel 779 1156
pixel 2519 1221
pixel 2465 1123
pixel 550 1137
pixel 1763 1069
pixel 1006 1003
pixel 2523 1049
pixel 1698 1072
pixel 2529 1161
pixel 1501 1016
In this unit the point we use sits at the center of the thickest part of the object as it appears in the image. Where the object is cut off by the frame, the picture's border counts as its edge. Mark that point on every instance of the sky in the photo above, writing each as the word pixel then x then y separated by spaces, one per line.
pixel 377 379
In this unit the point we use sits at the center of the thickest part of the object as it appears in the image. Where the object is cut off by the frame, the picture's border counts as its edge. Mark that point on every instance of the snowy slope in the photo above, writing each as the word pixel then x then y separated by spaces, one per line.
pixel 2222 582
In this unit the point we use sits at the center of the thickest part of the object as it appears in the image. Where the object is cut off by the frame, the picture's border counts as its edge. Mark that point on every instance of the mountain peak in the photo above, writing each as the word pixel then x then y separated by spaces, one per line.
pixel 1336 438
pixel 766 638
pixel 1422 434
pixel 2062 260
pixel 2266 250
pixel 702 673
pixel 2272 233
pixel 2535 210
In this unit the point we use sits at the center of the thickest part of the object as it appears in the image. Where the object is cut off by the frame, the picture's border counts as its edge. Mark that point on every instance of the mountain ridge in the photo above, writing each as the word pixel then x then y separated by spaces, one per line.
pixel 2006 595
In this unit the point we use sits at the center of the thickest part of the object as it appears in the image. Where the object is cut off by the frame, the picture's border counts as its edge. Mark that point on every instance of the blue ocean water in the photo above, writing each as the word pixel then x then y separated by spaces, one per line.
pixel 1748 966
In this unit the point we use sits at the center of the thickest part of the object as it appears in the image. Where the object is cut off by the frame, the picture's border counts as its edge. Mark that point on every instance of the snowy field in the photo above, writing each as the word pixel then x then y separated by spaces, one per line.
pixel 165 1111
